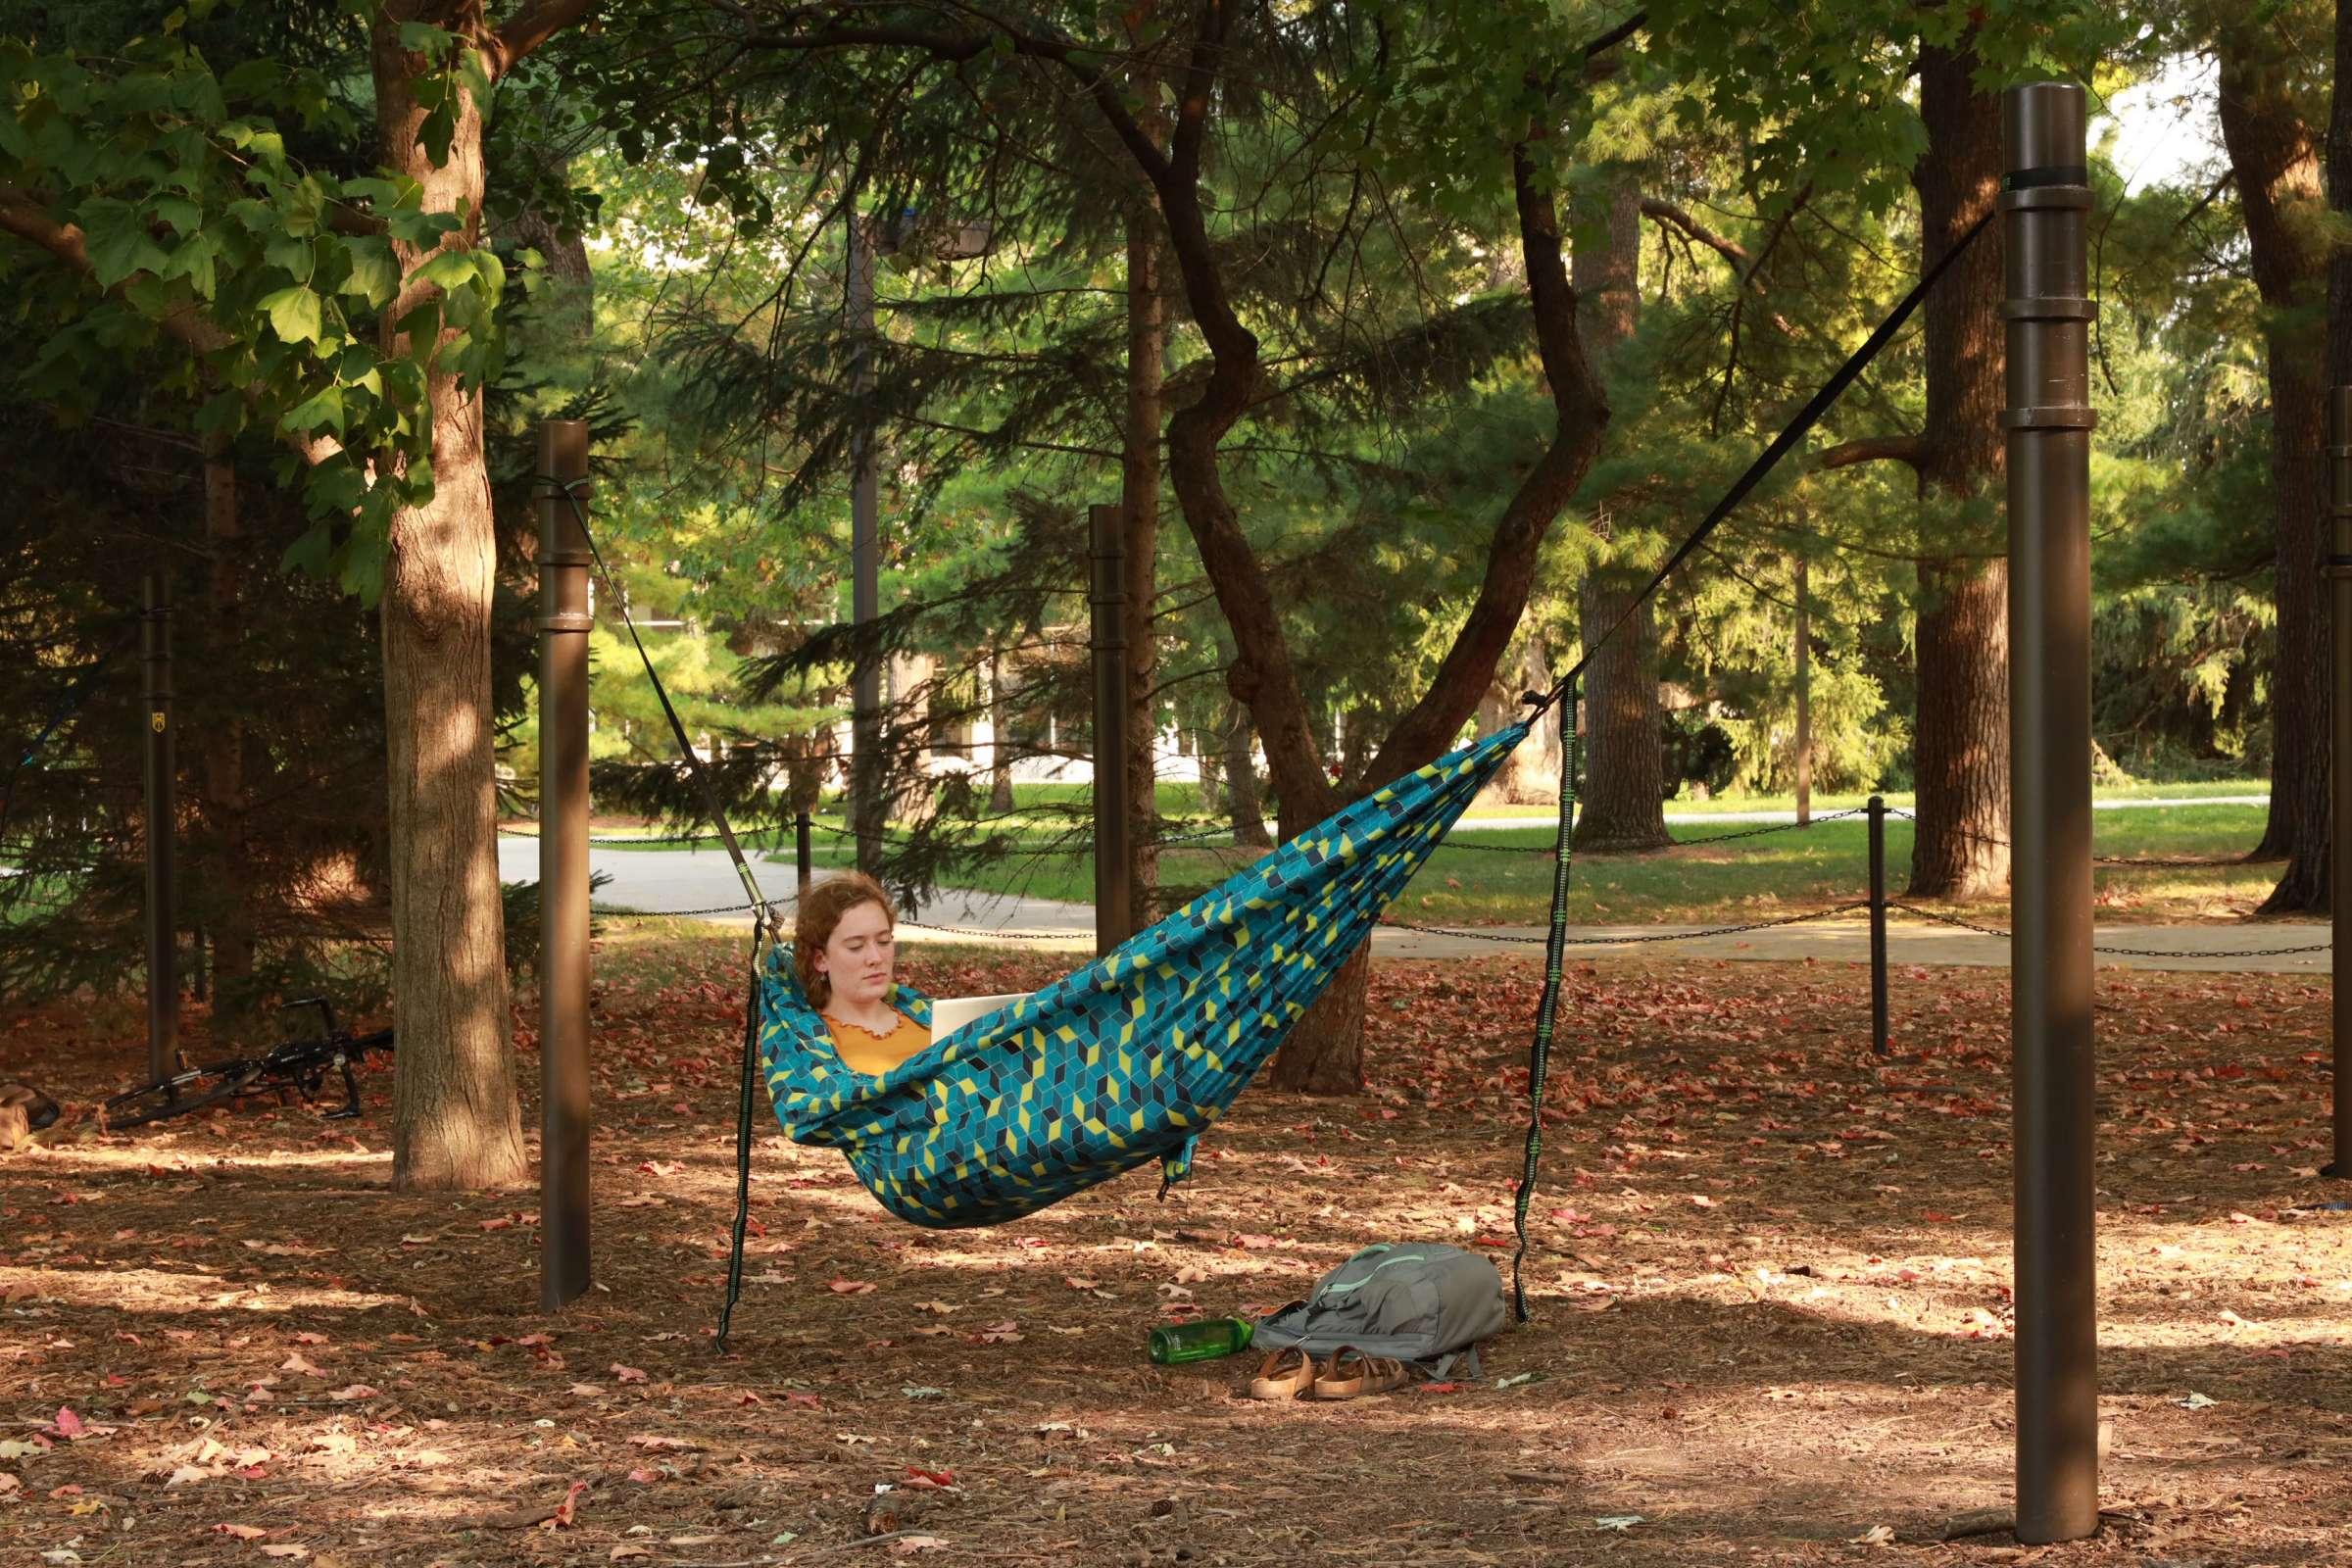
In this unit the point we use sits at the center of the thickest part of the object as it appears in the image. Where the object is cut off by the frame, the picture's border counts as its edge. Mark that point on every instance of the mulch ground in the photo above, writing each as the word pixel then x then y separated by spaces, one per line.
pixel 1772 1320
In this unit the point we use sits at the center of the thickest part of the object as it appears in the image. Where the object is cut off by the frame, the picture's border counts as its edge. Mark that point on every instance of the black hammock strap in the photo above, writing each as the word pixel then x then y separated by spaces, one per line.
pixel 763 918
pixel 571 490
pixel 1555 951
pixel 1538 1058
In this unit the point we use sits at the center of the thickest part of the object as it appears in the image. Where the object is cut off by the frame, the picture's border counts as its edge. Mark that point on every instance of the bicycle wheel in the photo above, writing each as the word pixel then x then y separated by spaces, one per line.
pixel 177 1096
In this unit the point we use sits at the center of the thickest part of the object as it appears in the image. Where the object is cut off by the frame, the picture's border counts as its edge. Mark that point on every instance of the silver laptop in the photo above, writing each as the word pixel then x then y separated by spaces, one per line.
pixel 951 1013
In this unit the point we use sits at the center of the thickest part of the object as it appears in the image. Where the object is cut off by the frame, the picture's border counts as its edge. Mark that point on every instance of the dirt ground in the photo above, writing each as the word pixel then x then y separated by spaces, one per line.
pixel 1770 1290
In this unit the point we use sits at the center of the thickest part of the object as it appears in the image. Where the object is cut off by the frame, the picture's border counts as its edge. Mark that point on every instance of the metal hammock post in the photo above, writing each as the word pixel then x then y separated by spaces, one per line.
pixel 564 1112
pixel 2046 207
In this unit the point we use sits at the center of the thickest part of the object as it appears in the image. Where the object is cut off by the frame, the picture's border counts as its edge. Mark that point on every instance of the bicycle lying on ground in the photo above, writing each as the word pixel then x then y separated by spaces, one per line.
pixel 298 1066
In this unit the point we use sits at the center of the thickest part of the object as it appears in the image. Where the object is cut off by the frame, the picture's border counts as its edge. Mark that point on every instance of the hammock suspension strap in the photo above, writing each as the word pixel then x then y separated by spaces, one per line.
pixel 743 1134
pixel 765 924
pixel 1555 950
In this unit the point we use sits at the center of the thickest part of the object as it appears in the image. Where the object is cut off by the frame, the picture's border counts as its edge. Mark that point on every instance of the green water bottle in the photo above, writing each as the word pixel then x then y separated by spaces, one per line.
pixel 1204 1341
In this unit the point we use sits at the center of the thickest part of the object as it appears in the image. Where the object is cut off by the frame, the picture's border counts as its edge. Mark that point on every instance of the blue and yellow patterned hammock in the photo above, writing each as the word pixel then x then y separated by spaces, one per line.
pixel 1132 1058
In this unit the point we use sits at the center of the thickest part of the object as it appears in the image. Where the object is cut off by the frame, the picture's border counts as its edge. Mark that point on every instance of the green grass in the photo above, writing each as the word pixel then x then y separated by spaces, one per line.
pixel 1825 801
pixel 1754 877
pixel 1758 877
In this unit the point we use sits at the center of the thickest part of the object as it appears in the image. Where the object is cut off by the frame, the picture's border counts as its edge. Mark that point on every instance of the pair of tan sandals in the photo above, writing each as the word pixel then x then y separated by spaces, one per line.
pixel 1292 1374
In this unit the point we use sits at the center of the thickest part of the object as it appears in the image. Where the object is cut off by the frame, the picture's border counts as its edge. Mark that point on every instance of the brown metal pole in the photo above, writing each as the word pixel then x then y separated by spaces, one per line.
pixel 1114 920
pixel 803 857
pixel 162 952
pixel 563 623
pixel 2045 203
pixel 1804 701
pixel 1879 1043
pixel 2340 870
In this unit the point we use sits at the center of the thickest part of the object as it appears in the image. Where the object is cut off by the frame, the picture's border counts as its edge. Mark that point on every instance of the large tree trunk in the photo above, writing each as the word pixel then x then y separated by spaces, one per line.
pixel 2273 155
pixel 1529 775
pixel 1138 498
pixel 1962 759
pixel 457 1122
pixel 1325 1051
pixel 1243 805
pixel 1961 746
pixel 1624 804
pixel 232 915
pixel 2339 373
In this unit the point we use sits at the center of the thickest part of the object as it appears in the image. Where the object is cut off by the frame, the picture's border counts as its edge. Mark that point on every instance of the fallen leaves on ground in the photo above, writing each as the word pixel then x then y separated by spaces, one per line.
pixel 1769 1281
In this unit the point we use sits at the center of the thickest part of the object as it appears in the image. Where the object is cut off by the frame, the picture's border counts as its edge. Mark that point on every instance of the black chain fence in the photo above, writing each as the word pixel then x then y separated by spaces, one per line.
pixel 1941 918
pixel 1484 933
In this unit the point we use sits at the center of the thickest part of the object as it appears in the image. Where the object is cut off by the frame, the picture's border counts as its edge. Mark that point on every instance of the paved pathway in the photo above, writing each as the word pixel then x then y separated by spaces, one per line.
pixel 658 881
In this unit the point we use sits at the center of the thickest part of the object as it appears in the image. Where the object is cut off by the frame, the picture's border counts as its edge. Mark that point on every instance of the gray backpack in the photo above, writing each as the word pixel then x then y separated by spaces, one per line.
pixel 1420 1302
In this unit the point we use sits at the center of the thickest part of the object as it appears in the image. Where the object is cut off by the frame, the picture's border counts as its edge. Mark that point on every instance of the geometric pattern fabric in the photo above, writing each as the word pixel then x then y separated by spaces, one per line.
pixel 1132 1058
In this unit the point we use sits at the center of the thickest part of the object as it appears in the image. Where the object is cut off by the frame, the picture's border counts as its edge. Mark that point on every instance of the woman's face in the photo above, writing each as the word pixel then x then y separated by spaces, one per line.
pixel 859 956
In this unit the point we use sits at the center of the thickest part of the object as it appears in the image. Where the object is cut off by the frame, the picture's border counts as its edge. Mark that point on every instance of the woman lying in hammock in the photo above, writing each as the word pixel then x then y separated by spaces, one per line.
pixel 845 953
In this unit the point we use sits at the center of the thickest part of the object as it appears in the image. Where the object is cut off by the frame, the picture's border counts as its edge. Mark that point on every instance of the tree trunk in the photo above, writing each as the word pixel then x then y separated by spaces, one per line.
pixel 1623 803
pixel 1961 743
pixel 1263 674
pixel 1209 758
pixel 1804 639
pixel 1529 775
pixel 1139 498
pixel 232 915
pixel 999 720
pixel 1243 805
pixel 2339 373
pixel 2274 156
pixel 571 304
pixel 457 1121
pixel 1961 761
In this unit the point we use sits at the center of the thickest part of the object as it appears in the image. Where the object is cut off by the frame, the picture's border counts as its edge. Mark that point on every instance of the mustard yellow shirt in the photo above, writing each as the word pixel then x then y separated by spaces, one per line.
pixel 863 1050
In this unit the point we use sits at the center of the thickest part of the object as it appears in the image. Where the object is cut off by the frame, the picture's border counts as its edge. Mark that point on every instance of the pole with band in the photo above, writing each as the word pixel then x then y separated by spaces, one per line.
pixel 2339 699
pixel 162 781
pixel 1114 864
pixel 563 624
pixel 2045 203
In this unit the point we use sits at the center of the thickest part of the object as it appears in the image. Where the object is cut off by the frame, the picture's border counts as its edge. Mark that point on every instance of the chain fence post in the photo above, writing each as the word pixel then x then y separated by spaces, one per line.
pixel 802 853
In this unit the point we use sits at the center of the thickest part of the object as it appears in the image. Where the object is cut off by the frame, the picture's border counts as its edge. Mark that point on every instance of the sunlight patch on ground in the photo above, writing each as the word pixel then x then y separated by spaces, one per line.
pixel 177 1160
pixel 150 1290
